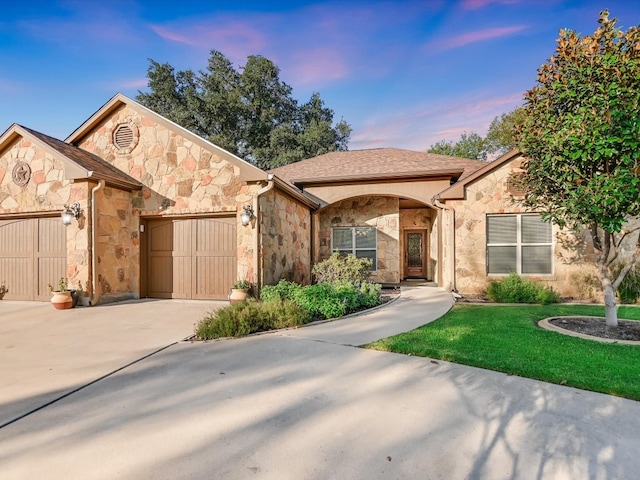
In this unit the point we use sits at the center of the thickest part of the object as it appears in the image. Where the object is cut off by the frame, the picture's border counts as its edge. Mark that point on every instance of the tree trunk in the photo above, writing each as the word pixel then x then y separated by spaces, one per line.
pixel 610 310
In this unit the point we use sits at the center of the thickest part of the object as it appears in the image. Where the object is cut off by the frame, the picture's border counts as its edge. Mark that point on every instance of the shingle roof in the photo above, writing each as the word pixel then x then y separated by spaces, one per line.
pixel 100 168
pixel 376 163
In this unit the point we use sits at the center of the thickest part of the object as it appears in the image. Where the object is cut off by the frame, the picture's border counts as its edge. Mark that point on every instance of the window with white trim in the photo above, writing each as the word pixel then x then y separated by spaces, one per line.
pixel 520 243
pixel 360 241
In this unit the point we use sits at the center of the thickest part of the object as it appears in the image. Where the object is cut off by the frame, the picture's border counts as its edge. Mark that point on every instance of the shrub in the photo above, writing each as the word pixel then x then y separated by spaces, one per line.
pixel 283 290
pixel 370 294
pixel 321 300
pixel 629 289
pixel 515 289
pixel 338 268
pixel 244 318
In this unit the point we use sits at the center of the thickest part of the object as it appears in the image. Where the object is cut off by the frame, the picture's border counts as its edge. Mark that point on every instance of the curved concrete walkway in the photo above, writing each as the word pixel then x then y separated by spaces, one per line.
pixel 305 404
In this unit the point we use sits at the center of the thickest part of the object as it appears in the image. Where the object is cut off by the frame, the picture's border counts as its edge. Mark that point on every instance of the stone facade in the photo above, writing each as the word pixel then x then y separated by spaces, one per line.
pixel 381 212
pixel 285 238
pixel 490 194
pixel 46 191
pixel 180 177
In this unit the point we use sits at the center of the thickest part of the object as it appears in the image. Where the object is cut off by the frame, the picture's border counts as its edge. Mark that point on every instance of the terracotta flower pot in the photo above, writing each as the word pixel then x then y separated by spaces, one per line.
pixel 62 300
pixel 238 295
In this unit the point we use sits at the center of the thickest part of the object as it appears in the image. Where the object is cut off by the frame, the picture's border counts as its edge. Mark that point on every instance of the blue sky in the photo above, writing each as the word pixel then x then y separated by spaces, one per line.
pixel 404 74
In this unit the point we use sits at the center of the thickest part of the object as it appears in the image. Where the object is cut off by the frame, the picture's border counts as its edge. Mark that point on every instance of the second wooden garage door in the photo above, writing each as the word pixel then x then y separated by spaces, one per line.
pixel 192 258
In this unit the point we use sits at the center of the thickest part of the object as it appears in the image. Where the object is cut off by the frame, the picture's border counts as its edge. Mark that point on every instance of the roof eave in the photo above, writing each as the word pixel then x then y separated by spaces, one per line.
pixel 379 177
pixel 457 190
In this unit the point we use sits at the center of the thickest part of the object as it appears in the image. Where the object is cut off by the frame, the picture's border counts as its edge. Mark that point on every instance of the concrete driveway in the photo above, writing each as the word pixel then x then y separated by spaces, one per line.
pixel 305 404
pixel 46 353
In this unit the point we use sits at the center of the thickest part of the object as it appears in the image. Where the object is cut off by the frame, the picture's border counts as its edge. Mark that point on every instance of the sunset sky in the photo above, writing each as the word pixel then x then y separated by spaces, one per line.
pixel 404 74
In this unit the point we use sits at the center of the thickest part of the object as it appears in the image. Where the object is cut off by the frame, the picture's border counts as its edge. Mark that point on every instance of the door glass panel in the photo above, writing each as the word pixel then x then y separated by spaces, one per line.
pixel 414 250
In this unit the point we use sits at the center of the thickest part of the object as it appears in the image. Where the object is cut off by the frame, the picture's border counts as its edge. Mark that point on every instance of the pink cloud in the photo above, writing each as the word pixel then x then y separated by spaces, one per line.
pixel 316 65
pixel 472 37
pixel 419 127
pixel 235 39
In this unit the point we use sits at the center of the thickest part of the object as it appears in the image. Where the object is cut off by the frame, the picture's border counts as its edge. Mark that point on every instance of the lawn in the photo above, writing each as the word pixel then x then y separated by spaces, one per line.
pixel 506 339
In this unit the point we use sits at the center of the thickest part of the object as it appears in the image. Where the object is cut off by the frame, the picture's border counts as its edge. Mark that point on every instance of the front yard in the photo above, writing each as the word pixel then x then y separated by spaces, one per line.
pixel 507 339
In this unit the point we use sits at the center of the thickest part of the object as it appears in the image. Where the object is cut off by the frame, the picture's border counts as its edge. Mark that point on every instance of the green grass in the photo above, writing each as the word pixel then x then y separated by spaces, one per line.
pixel 506 339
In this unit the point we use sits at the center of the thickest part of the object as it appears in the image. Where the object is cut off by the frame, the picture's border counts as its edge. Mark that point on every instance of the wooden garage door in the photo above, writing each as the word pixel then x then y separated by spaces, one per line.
pixel 192 258
pixel 32 255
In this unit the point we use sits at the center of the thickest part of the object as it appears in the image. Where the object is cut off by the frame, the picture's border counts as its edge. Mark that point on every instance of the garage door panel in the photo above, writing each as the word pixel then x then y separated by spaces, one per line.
pixel 15 273
pixel 215 277
pixel 203 253
pixel 32 255
pixel 49 271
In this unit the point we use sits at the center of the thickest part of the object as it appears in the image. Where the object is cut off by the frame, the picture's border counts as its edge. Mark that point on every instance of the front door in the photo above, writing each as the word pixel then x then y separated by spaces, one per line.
pixel 415 254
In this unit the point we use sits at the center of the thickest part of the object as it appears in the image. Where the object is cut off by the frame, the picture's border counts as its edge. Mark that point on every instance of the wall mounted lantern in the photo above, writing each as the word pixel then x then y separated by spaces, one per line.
pixel 70 212
pixel 247 215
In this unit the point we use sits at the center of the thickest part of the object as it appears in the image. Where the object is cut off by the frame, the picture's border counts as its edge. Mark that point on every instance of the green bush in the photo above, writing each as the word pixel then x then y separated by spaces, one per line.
pixel 339 268
pixel 322 300
pixel 244 318
pixel 515 289
pixel 370 294
pixel 283 290
pixel 629 289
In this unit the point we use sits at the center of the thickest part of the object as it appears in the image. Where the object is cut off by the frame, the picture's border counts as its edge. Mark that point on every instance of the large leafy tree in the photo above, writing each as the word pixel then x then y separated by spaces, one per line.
pixel 501 134
pixel 470 145
pixel 248 111
pixel 581 135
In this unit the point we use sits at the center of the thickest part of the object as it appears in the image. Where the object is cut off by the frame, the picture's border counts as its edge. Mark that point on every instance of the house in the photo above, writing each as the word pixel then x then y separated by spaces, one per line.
pixel 156 211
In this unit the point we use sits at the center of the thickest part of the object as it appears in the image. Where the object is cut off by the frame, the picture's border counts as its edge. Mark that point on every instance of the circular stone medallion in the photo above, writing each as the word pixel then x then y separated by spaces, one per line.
pixel 21 174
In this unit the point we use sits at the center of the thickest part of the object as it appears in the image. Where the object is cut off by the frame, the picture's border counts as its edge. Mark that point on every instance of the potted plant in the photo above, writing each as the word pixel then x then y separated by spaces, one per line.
pixel 3 290
pixel 239 291
pixel 61 298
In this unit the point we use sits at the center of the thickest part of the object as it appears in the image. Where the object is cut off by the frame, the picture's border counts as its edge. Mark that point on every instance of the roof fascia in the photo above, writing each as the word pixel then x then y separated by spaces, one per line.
pixel 457 190
pixel 346 179
pixel 293 192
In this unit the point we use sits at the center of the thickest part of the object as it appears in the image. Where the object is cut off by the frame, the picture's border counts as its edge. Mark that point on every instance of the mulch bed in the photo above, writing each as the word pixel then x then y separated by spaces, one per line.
pixel 596 327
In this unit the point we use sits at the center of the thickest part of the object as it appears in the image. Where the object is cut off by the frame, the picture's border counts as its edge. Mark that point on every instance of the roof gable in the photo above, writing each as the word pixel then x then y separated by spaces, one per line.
pixel 248 172
pixel 78 164
pixel 457 190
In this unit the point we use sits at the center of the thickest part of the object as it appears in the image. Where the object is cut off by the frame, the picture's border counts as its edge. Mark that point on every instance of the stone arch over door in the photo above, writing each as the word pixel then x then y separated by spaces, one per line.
pixel 390 216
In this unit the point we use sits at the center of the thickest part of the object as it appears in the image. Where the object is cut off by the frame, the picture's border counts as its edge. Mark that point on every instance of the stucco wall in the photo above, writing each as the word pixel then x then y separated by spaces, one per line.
pixel 490 195
pixel 285 239
pixel 47 191
pixel 380 212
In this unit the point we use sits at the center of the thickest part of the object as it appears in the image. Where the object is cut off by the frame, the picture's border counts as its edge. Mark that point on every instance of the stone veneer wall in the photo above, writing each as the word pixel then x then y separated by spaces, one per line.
pixel 380 212
pixel 490 195
pixel 180 176
pixel 117 246
pixel 48 191
pixel 285 236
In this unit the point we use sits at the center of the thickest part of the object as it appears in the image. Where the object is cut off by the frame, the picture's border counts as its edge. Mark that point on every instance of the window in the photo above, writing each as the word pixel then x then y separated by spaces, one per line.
pixel 519 243
pixel 360 241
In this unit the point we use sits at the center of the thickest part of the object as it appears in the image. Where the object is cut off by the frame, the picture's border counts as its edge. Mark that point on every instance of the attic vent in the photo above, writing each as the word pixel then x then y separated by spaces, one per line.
pixel 123 136
pixel 514 184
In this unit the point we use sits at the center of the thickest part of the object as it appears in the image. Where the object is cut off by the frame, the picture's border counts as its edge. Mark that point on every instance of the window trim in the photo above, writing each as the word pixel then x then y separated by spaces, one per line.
pixel 518 244
pixel 354 248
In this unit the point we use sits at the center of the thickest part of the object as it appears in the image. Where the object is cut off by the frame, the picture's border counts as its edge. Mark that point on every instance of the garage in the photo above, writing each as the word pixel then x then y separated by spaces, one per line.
pixel 192 258
pixel 33 255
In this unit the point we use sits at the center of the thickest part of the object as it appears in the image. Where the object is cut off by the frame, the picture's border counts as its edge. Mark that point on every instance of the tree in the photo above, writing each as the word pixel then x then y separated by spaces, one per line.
pixel 469 146
pixel 501 134
pixel 581 135
pixel 249 112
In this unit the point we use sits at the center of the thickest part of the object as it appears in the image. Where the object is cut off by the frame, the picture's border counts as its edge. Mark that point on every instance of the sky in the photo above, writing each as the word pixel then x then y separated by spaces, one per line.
pixel 403 74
